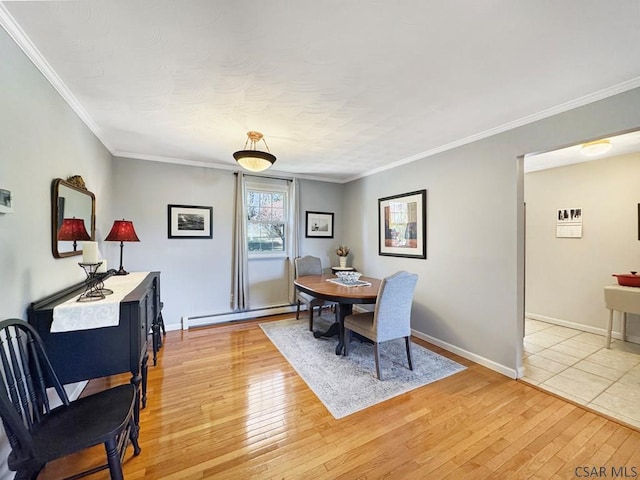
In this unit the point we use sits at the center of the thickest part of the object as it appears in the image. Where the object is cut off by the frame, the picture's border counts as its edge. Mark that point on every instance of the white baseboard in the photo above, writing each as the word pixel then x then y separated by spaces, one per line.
pixel 485 362
pixel 201 321
pixel 584 328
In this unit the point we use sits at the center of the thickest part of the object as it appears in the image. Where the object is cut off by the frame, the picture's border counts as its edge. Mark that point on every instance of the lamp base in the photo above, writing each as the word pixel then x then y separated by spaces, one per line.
pixel 121 271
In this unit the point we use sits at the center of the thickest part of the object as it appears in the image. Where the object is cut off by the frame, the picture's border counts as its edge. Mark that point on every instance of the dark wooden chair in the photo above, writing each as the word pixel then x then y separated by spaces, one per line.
pixel 309 265
pixel 39 433
pixel 391 318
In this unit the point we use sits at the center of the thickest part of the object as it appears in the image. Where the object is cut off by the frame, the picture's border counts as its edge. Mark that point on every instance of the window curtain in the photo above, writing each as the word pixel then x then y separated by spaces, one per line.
pixel 239 282
pixel 294 216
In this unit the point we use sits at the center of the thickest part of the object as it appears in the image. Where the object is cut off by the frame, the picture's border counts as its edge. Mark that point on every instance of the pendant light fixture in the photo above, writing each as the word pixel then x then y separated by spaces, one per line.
pixel 251 158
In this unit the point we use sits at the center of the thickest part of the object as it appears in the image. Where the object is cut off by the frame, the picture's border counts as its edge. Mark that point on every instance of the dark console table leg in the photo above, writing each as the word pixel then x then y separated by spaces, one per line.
pixel 135 381
pixel 156 340
pixel 145 369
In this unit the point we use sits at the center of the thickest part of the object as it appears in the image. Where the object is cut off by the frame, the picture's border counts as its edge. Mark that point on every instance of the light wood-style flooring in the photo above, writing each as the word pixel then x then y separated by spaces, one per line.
pixel 223 403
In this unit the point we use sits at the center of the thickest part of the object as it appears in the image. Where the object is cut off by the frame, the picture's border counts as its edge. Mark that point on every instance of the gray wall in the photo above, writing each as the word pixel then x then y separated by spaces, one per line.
pixel 321 197
pixel 565 276
pixel 196 273
pixel 469 296
pixel 41 138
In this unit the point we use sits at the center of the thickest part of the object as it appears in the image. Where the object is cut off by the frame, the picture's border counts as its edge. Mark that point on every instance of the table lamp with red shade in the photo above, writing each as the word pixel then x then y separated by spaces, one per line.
pixel 122 231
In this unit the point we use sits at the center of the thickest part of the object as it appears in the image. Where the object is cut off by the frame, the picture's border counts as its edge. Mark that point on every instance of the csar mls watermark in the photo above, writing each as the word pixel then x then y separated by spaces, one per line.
pixel 587 471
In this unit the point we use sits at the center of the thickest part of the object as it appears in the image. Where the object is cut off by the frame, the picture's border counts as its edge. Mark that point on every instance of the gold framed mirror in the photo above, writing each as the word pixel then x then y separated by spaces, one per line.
pixel 70 204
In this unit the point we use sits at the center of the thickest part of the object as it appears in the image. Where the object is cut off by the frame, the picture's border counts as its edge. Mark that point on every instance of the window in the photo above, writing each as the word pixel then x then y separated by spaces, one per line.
pixel 266 221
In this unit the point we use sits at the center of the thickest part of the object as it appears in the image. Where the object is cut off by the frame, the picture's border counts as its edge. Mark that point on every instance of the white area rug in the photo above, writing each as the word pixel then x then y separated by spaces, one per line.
pixel 348 384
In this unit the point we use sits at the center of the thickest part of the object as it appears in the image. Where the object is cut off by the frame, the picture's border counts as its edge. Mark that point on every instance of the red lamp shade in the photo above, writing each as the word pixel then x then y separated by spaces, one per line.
pixel 122 231
pixel 73 229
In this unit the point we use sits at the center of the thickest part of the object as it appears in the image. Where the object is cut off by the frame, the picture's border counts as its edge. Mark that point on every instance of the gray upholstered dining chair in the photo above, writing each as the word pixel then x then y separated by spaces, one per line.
pixel 309 265
pixel 391 318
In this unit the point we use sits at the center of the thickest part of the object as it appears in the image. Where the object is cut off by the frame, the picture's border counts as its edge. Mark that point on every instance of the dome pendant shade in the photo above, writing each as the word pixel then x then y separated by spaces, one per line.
pixel 252 159
pixel 598 147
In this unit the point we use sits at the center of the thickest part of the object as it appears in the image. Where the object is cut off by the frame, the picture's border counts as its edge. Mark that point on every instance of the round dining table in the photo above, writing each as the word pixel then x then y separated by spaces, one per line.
pixel 327 288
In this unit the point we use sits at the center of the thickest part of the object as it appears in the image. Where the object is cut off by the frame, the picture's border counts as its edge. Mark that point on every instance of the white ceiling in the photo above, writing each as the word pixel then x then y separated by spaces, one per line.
pixel 339 88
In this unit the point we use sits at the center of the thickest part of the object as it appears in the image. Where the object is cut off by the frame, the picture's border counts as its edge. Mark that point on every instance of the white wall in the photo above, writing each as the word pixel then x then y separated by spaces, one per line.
pixel 565 276
pixel 41 139
pixel 470 292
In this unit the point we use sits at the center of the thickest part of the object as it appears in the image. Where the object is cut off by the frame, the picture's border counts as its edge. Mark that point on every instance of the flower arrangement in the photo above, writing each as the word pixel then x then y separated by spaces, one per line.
pixel 342 251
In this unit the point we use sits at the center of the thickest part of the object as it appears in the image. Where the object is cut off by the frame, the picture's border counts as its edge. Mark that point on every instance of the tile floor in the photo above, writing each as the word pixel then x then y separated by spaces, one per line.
pixel 577 366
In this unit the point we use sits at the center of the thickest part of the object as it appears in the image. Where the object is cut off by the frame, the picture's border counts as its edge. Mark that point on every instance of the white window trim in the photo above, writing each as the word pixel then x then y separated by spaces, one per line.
pixel 268 188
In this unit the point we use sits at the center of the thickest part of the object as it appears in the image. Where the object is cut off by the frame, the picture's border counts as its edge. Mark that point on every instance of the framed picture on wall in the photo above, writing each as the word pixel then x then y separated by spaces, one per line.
pixel 186 221
pixel 402 225
pixel 319 224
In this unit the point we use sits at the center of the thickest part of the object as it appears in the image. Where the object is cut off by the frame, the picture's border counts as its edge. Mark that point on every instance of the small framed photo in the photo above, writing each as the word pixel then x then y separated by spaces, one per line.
pixel 5 198
pixel 186 221
pixel 402 225
pixel 319 224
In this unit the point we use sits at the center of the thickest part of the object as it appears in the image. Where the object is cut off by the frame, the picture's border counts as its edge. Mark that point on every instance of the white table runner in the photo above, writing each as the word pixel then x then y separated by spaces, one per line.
pixel 73 315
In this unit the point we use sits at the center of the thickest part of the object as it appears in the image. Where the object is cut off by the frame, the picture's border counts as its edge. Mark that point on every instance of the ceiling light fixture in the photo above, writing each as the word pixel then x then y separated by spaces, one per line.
pixel 253 159
pixel 598 147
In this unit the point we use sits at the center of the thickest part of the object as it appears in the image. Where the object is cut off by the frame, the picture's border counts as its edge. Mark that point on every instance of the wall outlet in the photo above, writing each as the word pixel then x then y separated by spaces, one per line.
pixel 6 205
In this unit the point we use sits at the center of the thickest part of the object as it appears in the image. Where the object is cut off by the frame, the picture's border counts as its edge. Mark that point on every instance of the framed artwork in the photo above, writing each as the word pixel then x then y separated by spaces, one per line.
pixel 5 201
pixel 569 223
pixel 186 221
pixel 402 225
pixel 319 224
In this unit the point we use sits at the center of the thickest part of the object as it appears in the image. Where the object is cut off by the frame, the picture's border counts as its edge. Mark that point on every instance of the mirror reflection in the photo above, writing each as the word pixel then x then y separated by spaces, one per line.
pixel 72 219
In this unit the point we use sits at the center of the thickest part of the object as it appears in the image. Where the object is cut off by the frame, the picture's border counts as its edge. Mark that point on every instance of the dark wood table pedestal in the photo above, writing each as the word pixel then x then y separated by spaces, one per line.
pixel 319 287
pixel 337 328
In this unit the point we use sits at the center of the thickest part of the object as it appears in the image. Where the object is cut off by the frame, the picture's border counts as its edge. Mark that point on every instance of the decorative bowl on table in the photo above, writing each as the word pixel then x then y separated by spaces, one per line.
pixel 348 277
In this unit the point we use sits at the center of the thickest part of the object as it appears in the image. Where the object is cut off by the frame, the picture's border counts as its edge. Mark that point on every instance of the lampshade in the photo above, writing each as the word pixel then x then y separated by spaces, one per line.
pixel 122 231
pixel 598 147
pixel 253 159
pixel 73 229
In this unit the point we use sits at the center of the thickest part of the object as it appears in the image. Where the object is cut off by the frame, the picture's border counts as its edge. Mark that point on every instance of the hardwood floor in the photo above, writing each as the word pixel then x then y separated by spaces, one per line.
pixel 224 404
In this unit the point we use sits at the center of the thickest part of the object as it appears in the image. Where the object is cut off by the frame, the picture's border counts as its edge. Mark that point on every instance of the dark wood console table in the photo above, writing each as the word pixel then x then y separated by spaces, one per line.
pixel 99 352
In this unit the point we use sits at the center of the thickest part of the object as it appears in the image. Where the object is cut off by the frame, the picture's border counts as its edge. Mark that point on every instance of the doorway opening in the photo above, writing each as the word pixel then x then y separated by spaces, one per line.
pixel 569 260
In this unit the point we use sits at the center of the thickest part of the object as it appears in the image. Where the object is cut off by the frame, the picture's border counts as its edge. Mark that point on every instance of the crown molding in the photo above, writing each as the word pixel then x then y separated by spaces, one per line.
pixel 31 51
pixel 564 107
pixel 219 166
